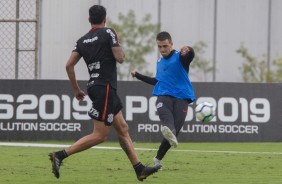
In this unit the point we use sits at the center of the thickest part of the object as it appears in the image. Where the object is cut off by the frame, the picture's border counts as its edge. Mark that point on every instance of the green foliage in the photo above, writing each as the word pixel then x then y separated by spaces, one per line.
pixel 278 71
pixel 200 65
pixel 255 69
pixel 137 39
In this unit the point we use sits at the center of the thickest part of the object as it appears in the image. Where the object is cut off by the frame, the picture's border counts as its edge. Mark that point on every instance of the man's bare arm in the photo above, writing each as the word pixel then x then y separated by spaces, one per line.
pixel 118 54
pixel 74 58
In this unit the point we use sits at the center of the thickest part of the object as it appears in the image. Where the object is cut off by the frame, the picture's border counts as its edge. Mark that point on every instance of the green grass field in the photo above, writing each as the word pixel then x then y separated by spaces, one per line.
pixel 193 163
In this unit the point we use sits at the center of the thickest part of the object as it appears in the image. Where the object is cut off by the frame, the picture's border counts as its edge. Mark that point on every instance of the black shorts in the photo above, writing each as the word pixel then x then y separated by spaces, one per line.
pixel 172 111
pixel 105 103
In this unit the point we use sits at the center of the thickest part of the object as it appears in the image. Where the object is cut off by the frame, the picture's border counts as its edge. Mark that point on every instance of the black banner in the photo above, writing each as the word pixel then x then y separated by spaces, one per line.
pixel 47 110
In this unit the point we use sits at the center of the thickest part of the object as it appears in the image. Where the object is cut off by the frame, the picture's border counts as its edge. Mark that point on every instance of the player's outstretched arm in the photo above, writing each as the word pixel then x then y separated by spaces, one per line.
pixel 146 79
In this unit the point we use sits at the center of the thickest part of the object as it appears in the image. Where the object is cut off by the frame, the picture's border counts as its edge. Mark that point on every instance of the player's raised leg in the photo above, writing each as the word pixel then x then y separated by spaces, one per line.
pixel 126 144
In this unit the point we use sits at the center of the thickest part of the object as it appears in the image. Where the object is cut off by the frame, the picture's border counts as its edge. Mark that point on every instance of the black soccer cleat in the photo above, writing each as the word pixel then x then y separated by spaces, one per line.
pixel 56 164
pixel 147 171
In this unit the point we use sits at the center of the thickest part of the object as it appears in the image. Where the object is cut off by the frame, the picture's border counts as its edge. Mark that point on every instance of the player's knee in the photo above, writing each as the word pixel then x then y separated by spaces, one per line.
pixel 123 131
pixel 103 138
pixel 125 128
pixel 99 138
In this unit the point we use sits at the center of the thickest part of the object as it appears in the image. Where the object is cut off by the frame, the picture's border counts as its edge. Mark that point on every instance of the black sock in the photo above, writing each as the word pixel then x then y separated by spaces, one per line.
pixel 138 168
pixel 61 154
pixel 164 147
pixel 159 158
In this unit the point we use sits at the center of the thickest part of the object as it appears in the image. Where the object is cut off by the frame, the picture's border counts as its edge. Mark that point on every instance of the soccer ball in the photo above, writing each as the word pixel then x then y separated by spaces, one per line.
pixel 205 111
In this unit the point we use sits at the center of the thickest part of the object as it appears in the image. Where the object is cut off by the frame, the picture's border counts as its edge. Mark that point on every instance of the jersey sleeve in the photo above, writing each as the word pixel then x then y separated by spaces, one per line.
pixel 114 42
pixel 146 79
pixel 187 58
pixel 76 48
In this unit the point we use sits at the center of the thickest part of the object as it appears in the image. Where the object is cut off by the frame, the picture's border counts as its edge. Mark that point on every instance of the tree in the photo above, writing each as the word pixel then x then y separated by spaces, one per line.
pixel 255 69
pixel 201 66
pixel 278 71
pixel 138 40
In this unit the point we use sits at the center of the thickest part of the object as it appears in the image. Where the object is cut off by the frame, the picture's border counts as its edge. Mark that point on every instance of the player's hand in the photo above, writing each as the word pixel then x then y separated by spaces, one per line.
pixel 184 50
pixel 133 73
pixel 79 95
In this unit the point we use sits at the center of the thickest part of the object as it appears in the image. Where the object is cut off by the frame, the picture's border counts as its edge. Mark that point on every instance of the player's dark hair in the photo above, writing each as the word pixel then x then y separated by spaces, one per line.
pixel 97 14
pixel 163 36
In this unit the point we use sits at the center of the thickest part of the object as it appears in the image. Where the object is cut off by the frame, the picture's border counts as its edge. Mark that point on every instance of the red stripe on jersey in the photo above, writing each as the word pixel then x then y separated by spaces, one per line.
pixel 106 103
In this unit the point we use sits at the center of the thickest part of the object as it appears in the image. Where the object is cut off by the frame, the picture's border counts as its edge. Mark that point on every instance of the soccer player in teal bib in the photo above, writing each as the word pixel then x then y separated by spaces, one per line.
pixel 173 89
